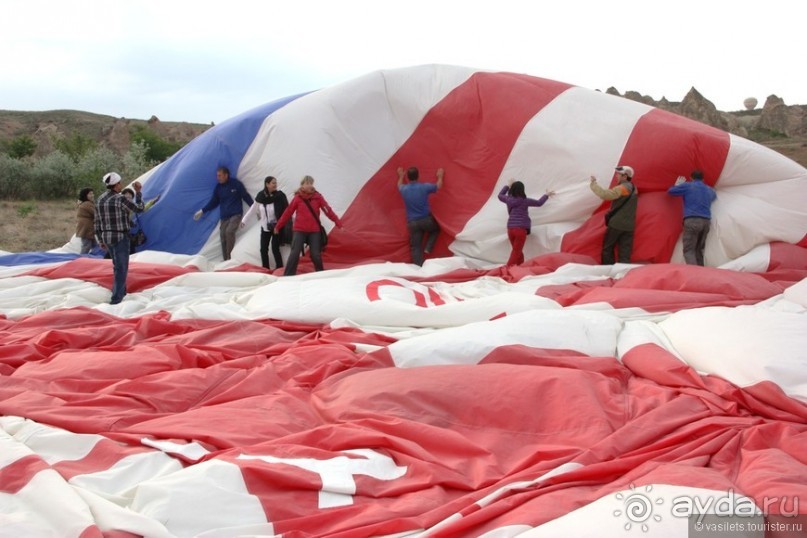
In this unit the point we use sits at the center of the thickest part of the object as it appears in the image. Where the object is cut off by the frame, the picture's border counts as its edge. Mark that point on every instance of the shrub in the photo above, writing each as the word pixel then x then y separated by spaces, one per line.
pixel 15 180
pixel 52 176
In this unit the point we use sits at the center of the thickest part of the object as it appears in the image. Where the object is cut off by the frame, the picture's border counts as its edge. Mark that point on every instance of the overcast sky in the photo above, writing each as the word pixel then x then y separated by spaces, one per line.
pixel 203 61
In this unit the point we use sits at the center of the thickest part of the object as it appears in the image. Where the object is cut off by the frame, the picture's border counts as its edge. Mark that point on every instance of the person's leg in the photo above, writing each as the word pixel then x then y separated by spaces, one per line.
pixel 608 244
pixel 266 237
pixel 689 240
pixel 275 240
pixel 297 243
pixel 431 227
pixel 415 241
pixel 229 228
pixel 119 252
pixel 315 250
pixel 517 237
pixel 625 246
pixel 702 242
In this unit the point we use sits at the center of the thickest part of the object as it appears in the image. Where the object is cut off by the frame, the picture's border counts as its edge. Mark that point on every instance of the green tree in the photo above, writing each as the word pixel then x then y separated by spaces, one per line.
pixel 21 146
pixel 159 149
pixel 75 146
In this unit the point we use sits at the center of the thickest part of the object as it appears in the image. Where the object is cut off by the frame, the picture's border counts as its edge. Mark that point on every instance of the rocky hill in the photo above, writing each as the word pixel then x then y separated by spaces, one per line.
pixel 114 133
pixel 776 125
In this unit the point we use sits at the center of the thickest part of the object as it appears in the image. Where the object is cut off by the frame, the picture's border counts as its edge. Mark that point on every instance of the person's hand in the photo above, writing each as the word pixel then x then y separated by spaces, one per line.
pixel 103 246
pixel 243 225
pixel 510 183
pixel 440 173
pixel 593 179
pixel 680 179
pixel 400 171
pixel 550 193
pixel 198 215
pixel 275 231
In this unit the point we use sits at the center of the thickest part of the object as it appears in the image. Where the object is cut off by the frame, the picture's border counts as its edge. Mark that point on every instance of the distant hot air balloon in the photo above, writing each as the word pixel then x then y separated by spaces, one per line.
pixel 750 103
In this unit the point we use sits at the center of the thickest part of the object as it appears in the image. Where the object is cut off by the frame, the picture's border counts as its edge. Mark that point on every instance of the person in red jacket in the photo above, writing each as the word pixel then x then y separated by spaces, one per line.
pixel 306 205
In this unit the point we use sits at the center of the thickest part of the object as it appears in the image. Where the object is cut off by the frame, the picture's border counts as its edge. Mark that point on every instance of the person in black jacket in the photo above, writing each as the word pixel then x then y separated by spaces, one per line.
pixel 269 205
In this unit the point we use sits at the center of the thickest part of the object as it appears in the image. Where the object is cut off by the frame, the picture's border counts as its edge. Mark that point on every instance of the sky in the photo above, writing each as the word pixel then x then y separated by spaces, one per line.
pixel 201 61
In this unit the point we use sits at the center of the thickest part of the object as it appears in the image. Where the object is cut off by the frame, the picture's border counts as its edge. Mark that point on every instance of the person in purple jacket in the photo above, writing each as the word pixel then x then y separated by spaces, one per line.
pixel 519 223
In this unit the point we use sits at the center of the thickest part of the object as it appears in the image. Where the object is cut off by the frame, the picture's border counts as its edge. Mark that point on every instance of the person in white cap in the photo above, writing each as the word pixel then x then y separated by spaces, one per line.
pixel 112 222
pixel 620 219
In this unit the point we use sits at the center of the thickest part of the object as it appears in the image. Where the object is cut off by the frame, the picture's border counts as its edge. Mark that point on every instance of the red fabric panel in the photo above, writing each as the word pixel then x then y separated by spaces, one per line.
pixel 657 147
pixel 141 275
pixel 457 135
pixel 668 288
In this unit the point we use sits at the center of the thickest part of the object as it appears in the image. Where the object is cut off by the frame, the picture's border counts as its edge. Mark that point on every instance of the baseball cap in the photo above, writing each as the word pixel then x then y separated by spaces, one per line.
pixel 627 170
pixel 111 178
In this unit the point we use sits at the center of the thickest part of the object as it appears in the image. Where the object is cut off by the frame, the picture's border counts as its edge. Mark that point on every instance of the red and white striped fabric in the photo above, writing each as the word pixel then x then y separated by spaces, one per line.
pixel 559 397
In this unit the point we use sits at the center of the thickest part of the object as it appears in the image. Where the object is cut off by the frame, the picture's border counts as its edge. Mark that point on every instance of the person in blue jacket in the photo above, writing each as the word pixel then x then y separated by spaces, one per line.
pixel 698 198
pixel 228 195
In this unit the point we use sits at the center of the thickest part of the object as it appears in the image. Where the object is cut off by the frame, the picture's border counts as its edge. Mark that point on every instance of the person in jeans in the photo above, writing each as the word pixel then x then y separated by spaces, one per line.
pixel 419 219
pixel 698 198
pixel 112 222
pixel 227 195
pixel 518 220
pixel 305 207
pixel 620 220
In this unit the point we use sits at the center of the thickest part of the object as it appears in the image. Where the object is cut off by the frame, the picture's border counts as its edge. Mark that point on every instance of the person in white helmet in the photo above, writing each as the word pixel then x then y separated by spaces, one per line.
pixel 620 219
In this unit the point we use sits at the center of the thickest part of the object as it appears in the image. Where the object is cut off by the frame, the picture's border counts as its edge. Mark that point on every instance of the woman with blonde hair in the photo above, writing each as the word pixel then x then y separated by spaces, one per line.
pixel 305 207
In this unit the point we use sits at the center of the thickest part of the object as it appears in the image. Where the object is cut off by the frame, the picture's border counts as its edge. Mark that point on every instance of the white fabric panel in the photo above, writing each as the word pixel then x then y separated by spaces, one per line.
pixel 591 333
pixel 763 344
pixel 183 502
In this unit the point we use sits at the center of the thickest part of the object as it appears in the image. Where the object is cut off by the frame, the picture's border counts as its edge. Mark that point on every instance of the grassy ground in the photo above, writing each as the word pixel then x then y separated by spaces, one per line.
pixel 35 225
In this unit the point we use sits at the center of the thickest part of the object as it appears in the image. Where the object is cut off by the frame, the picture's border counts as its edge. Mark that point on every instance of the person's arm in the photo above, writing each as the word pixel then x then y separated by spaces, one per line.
pixel 440 174
pixel 245 195
pixel 608 194
pixel 532 202
pixel 135 206
pixel 249 213
pixel 503 193
pixel 678 190
pixel 330 213
pixel 400 176
pixel 211 205
pixel 286 214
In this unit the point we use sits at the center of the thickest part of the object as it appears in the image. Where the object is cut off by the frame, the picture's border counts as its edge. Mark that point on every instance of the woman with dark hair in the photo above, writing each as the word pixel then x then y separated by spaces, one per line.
pixel 270 203
pixel 85 219
pixel 519 223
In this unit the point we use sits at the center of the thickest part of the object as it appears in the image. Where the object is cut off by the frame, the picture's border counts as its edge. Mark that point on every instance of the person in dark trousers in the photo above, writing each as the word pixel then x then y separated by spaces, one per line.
pixel 419 219
pixel 305 207
pixel 270 203
pixel 518 220
pixel 112 222
pixel 698 198
pixel 227 195
pixel 620 220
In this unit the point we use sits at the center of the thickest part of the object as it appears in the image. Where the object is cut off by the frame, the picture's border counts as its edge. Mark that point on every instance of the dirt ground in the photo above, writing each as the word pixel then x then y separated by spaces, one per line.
pixel 34 225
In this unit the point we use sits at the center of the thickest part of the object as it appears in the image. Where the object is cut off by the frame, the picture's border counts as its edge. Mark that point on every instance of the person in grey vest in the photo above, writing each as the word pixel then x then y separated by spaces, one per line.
pixel 620 219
